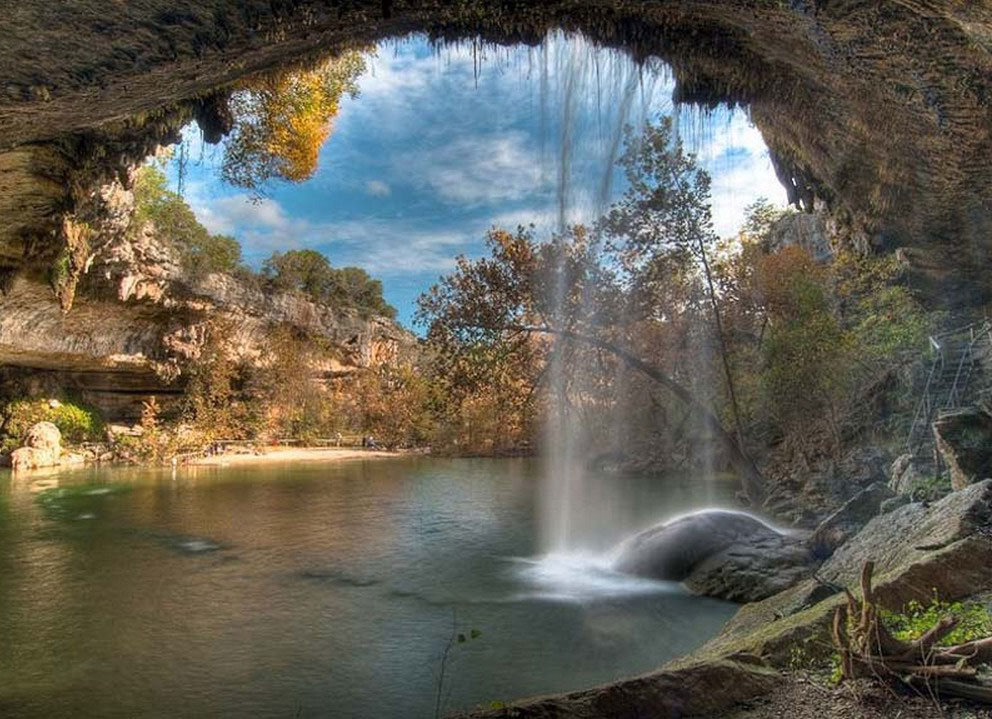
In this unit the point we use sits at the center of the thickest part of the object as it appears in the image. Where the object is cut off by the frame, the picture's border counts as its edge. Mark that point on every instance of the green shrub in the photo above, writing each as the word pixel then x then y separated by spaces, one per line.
pixel 76 421
pixel 974 620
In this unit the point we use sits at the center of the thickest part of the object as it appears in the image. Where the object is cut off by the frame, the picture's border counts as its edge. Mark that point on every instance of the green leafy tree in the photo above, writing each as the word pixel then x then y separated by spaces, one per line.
pixel 174 220
pixel 309 272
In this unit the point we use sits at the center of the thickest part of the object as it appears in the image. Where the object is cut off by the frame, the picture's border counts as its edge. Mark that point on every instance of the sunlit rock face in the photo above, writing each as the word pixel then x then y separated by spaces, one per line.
pixel 879 110
pixel 138 319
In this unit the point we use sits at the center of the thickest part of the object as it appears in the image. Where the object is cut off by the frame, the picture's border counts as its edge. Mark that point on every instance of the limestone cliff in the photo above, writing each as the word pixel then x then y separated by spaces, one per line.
pixel 139 318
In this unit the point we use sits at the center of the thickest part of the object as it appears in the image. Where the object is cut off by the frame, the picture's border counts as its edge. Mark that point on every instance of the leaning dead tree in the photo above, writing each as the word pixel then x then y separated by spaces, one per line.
pixel 868 650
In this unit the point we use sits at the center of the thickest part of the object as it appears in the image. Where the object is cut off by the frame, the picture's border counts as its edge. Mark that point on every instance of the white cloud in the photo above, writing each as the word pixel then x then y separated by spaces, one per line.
pixel 377 188
pixel 482 168
pixel 260 224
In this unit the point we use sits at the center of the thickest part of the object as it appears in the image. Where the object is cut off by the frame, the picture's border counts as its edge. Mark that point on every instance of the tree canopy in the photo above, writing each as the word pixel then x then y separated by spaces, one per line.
pixel 309 272
pixel 282 120
pixel 202 252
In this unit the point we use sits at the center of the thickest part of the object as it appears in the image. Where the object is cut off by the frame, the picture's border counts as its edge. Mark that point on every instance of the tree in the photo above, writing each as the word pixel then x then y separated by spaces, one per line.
pixel 309 272
pixel 495 306
pixel 174 221
pixel 664 219
pixel 281 120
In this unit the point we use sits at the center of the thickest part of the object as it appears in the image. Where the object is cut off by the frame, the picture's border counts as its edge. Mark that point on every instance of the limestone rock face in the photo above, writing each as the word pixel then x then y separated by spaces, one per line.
pixel 717 553
pixel 964 440
pixel 42 448
pixel 904 478
pixel 810 231
pixel 909 181
pixel 139 318
pixel 945 545
pixel 846 521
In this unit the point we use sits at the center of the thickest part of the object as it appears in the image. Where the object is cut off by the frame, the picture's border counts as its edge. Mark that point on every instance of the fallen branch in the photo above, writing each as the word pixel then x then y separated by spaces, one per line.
pixel 869 651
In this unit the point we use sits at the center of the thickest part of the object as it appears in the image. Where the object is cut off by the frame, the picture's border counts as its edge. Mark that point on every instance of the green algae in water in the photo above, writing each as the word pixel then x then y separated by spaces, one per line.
pixel 77 502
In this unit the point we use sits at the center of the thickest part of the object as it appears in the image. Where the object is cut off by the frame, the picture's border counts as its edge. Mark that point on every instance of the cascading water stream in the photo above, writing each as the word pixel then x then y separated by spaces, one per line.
pixel 582 512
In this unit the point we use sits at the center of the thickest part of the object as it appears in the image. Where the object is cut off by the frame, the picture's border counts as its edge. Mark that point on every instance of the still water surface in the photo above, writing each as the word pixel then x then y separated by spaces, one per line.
pixel 317 590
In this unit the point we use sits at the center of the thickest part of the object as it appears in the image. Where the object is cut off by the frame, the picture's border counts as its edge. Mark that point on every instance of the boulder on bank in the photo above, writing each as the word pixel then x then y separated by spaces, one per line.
pixel 42 448
pixel 719 553
pixel 958 528
pixel 917 548
pixel 849 519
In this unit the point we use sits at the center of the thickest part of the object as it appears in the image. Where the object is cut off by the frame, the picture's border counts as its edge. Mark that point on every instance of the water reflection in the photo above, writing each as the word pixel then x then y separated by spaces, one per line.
pixel 253 591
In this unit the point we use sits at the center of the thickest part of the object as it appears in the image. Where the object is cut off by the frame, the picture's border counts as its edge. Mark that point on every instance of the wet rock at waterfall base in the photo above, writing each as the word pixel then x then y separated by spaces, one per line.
pixel 718 553
pixel 918 549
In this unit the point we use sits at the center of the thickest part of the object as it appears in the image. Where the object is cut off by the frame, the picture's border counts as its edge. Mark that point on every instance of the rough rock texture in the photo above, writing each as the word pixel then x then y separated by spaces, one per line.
pixel 729 555
pixel 804 493
pixel 893 503
pixel 846 521
pixel 752 569
pixel 816 76
pixel 812 231
pixel 701 690
pixel 964 440
pixel 904 477
pixel 42 448
pixel 138 318
pixel 918 548
pixel 906 537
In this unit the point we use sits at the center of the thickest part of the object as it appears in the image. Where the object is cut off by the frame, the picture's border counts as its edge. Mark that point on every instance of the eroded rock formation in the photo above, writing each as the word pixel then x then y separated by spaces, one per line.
pixel 138 318
pixel 717 553
pixel 878 112
pixel 42 448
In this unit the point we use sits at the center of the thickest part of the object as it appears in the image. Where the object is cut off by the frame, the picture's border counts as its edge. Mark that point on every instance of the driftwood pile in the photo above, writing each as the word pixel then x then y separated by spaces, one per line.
pixel 868 650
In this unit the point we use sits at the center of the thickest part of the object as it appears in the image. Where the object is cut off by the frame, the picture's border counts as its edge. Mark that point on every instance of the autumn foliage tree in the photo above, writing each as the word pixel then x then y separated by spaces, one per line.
pixel 282 120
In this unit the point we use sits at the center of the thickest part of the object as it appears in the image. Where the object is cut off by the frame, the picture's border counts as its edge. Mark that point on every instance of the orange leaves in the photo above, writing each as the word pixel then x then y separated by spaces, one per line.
pixel 787 279
pixel 283 120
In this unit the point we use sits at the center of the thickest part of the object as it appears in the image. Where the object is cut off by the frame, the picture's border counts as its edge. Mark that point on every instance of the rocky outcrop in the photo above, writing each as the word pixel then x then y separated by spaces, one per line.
pixel 716 553
pixel 904 477
pixel 42 448
pixel 907 539
pixel 138 318
pixel 846 521
pixel 964 439
pixel 917 549
pixel 812 231
pixel 703 689
pixel 816 77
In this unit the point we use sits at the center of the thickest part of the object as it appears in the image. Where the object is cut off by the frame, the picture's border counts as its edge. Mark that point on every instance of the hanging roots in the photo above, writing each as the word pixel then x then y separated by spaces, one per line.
pixel 868 650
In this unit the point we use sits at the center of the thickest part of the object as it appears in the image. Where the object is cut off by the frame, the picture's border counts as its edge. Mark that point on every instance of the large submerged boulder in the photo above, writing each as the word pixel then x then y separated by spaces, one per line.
pixel 719 553
pixel 42 448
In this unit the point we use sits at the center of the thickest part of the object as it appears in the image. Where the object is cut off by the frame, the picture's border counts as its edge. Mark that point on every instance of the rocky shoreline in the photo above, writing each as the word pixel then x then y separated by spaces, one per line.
pixel 919 548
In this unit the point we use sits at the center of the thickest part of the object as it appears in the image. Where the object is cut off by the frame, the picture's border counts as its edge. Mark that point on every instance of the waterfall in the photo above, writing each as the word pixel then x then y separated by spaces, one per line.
pixel 580 508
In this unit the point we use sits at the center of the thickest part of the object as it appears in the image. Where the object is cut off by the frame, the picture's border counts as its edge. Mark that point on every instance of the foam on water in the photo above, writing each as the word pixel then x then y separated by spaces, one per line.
pixel 581 577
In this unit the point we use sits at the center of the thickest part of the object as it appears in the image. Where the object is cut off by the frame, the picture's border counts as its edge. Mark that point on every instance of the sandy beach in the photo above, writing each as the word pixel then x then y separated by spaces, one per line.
pixel 292 454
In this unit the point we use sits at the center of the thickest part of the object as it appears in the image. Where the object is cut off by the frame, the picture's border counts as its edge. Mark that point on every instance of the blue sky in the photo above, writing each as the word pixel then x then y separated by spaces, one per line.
pixel 443 144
